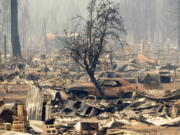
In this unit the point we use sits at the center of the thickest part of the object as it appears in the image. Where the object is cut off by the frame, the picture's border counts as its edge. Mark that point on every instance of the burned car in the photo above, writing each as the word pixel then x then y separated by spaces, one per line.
pixel 113 88
pixel 124 76
pixel 166 76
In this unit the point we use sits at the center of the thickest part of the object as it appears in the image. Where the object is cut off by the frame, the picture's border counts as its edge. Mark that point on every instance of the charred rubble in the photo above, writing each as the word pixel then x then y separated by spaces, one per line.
pixel 51 103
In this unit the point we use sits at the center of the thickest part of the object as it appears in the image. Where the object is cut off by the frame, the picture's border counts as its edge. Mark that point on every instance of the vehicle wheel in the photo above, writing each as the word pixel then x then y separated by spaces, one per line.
pixel 81 95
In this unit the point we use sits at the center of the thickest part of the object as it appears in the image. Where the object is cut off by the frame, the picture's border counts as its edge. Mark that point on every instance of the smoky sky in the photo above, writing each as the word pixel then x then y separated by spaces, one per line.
pixel 57 12
pixel 139 16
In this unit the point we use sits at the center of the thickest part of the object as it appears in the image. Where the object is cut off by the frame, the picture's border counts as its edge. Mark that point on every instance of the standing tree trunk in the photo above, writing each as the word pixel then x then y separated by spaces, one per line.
pixel 5 47
pixel 16 48
pixel 95 82
pixel 178 34
pixel 179 39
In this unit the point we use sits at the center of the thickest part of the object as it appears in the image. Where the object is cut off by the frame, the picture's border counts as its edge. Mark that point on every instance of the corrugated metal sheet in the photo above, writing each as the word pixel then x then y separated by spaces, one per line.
pixel 34 104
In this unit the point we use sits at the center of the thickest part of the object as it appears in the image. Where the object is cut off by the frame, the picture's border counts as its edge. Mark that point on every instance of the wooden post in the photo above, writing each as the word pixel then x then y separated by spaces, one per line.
pixel 20 110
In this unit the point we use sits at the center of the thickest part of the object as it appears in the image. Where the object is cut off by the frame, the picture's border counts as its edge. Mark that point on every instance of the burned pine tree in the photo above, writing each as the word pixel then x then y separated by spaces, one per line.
pixel 16 48
pixel 87 46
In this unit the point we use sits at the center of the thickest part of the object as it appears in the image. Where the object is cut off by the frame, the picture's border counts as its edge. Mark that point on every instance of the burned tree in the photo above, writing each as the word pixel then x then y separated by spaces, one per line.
pixel 86 48
pixel 5 47
pixel 16 48
pixel 44 32
pixel 4 14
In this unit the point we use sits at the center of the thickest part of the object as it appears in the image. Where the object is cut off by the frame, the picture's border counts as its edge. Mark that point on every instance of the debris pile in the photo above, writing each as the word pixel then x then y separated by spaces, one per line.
pixel 114 114
pixel 137 101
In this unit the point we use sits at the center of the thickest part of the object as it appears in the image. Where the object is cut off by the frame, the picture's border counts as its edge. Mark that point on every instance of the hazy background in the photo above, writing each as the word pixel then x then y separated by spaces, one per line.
pixel 152 21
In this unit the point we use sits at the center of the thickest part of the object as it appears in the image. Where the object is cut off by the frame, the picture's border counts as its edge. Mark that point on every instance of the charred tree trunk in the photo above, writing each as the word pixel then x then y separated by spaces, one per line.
pixel 5 47
pixel 95 82
pixel 16 48
pixel 178 26
pixel 179 39
pixel 178 34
